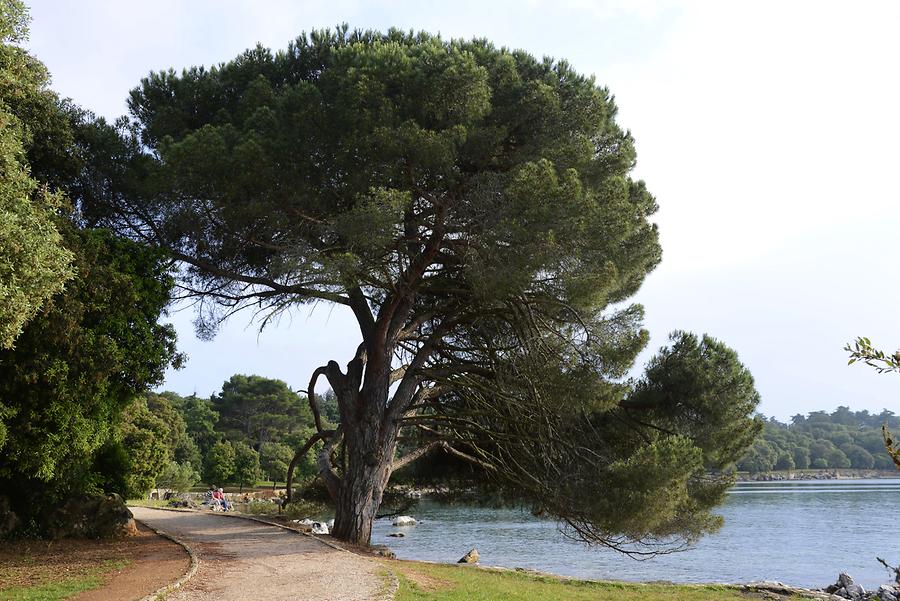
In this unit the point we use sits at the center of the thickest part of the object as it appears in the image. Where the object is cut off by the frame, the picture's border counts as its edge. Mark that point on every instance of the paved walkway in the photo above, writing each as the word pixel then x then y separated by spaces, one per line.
pixel 241 559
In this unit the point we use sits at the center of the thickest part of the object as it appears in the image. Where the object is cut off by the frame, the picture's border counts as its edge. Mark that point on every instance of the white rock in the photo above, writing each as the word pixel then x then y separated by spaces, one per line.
pixel 404 520
pixel 319 528
pixel 856 591
pixel 330 524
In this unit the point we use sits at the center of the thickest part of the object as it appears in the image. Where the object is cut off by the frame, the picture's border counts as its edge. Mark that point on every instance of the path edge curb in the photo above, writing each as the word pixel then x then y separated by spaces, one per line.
pixel 192 568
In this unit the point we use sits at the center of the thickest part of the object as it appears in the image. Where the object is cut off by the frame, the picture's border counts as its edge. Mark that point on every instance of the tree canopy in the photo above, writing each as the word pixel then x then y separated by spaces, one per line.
pixel 35 264
pixel 259 409
pixel 472 207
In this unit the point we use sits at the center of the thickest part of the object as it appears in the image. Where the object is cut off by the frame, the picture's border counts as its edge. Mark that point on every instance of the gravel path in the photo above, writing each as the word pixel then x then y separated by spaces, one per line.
pixel 241 559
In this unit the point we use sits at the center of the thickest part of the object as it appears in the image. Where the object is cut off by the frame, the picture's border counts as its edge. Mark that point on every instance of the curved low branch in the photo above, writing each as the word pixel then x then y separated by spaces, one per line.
pixel 297 457
pixel 332 481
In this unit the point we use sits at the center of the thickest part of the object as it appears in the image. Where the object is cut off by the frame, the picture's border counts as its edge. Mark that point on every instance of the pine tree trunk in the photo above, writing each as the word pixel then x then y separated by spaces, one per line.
pixel 369 456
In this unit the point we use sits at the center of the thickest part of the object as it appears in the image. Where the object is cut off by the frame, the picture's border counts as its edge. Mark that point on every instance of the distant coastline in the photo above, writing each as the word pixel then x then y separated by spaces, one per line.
pixel 820 474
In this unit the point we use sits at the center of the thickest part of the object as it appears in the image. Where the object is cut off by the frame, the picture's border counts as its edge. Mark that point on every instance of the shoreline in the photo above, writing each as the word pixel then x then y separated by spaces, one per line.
pixel 821 474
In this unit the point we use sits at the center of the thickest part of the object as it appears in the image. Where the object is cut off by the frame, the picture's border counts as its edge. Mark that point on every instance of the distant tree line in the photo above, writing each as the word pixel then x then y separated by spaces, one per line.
pixel 246 432
pixel 838 440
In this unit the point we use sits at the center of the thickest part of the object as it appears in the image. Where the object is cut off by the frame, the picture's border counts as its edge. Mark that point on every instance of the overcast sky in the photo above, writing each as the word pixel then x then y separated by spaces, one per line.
pixel 768 131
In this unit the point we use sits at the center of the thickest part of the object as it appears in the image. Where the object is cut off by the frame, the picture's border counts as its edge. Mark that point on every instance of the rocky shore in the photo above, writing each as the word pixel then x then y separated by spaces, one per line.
pixel 846 588
pixel 845 474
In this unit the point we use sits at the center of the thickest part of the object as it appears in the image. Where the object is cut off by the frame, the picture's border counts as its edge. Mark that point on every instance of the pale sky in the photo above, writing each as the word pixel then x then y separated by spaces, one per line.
pixel 768 132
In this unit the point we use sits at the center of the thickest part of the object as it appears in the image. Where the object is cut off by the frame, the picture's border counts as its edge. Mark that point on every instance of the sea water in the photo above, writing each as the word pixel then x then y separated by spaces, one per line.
pixel 798 532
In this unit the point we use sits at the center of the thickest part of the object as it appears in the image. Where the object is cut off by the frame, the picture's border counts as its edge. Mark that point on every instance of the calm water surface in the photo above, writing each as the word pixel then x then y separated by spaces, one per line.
pixel 802 533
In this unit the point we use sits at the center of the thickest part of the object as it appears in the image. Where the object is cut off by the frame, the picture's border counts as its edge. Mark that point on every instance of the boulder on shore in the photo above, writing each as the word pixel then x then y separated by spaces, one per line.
pixel 846 588
pixel 405 520
pixel 888 593
pixel 470 557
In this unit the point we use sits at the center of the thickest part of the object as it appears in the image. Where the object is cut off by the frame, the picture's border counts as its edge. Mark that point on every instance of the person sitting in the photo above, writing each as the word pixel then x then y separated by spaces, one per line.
pixel 219 495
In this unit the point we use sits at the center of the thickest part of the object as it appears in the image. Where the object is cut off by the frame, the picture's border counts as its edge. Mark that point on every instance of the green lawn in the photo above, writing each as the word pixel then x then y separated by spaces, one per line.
pixel 436 582
pixel 55 587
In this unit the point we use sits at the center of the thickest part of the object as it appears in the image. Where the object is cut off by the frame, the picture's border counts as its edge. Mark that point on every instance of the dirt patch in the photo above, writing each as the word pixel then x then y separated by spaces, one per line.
pixel 130 567
pixel 425 582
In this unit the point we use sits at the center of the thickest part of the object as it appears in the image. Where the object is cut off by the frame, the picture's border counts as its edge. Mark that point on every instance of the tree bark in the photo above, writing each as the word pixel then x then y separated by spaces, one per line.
pixel 369 452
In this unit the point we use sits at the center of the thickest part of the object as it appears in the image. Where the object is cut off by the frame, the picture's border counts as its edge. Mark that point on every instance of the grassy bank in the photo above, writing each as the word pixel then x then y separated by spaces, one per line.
pixel 32 580
pixel 439 582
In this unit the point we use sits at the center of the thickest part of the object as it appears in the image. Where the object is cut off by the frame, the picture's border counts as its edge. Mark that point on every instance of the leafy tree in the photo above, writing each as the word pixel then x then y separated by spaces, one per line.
pixel 858 456
pixel 246 465
pixel 837 459
pixel 274 459
pixel 820 463
pixel 219 463
pixel 257 409
pixel 78 364
pixel 144 435
pixel 784 461
pixel 178 476
pixel 472 207
pixel 760 458
pixel 200 419
pixel 35 264
pixel 181 447
pixel 801 457
pixel 328 406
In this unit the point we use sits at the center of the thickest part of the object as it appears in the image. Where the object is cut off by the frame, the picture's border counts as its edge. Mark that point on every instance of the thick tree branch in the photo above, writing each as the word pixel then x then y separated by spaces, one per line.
pixel 360 307
pixel 413 455
pixel 469 458
pixel 311 396
pixel 398 374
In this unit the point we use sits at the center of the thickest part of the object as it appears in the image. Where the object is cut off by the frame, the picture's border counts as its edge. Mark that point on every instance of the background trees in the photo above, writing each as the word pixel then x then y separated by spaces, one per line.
pixel 259 410
pixel 219 463
pixel 246 465
pixel 840 439
pixel 144 436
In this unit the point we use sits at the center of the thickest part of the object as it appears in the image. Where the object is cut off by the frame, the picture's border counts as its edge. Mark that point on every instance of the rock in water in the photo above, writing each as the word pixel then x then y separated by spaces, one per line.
pixel 405 520
pixel 470 557
pixel 396 534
